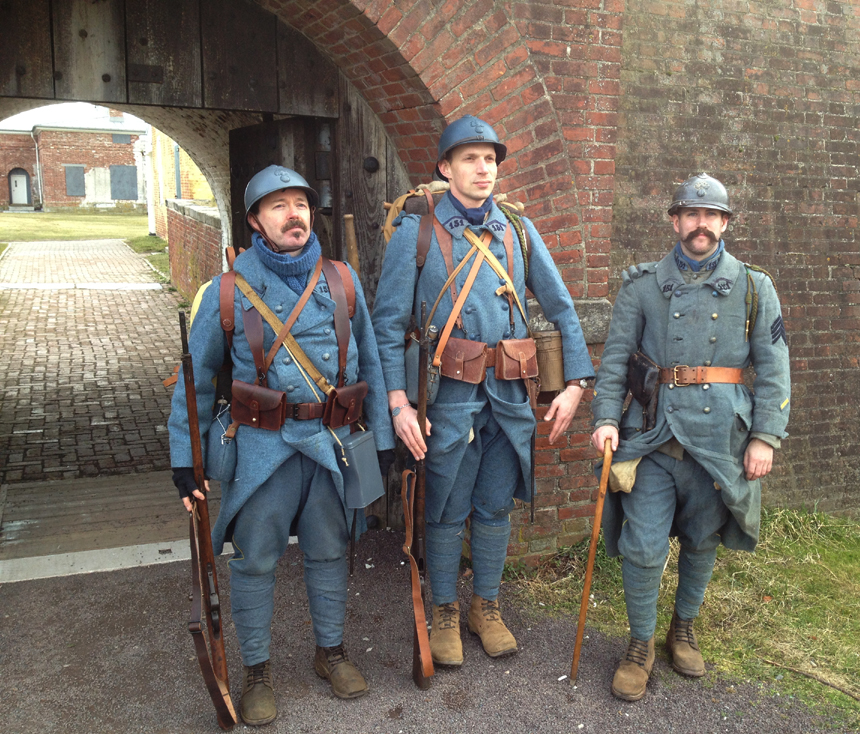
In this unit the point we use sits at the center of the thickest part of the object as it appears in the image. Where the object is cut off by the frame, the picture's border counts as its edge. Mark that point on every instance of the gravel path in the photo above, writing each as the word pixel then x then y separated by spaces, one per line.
pixel 109 652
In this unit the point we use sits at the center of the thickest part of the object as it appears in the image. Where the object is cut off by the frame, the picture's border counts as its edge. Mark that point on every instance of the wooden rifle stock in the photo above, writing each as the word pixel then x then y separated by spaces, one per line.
pixel 592 550
pixel 204 580
pixel 413 494
pixel 351 243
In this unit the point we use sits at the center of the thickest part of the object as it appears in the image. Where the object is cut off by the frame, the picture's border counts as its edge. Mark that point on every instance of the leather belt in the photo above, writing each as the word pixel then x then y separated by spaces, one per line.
pixel 683 375
pixel 305 411
pixel 491 356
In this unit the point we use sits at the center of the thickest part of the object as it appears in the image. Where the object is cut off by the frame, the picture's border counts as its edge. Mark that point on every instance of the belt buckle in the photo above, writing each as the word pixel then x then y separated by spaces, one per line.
pixel 295 411
pixel 675 375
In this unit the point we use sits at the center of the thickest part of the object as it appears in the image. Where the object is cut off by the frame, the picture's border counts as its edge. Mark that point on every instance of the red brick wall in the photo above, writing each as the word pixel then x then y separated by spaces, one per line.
pixel 765 97
pixel 195 252
pixel 92 150
pixel 17 151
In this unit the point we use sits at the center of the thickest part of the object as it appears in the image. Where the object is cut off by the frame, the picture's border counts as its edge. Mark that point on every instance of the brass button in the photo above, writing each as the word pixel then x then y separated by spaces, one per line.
pixel 714 316
pixel 671 385
pixel 676 315
pixel 705 386
pixel 706 410
pixel 707 363
pixel 713 339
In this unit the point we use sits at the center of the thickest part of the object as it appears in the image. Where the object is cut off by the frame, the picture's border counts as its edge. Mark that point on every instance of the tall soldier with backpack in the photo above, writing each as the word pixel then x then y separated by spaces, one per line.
pixel 472 262
pixel 297 393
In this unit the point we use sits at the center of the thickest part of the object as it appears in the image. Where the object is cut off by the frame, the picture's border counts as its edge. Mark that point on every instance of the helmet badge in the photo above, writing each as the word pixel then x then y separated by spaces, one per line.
pixel 284 175
pixel 702 188
pixel 479 128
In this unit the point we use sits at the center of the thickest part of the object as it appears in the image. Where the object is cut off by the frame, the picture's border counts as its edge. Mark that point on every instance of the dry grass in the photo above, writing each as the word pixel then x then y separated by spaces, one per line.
pixel 793 604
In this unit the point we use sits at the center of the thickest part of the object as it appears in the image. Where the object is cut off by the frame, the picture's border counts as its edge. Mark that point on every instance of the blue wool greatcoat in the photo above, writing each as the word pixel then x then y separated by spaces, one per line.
pixel 701 323
pixel 261 452
pixel 486 318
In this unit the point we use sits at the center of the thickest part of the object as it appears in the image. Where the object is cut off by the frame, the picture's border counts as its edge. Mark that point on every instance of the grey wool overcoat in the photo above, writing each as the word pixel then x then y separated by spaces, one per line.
pixel 696 324
pixel 260 451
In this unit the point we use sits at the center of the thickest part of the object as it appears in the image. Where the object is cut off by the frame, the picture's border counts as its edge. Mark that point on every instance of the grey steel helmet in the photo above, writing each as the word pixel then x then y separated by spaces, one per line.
pixel 276 178
pixel 468 129
pixel 702 191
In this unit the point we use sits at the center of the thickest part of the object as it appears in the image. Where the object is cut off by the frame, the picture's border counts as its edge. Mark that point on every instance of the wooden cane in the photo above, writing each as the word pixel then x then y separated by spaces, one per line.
pixel 592 551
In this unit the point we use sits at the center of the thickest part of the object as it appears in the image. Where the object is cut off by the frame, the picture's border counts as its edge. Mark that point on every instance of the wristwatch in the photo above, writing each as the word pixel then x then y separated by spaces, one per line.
pixel 396 411
pixel 583 383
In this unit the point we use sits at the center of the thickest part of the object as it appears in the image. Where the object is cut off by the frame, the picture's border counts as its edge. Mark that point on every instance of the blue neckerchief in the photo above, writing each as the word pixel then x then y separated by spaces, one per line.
pixel 474 216
pixel 685 263
pixel 293 271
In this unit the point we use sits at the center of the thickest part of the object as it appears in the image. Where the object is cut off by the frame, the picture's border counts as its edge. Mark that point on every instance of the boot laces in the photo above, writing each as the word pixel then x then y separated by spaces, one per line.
pixel 637 652
pixel 684 632
pixel 447 616
pixel 335 655
pixel 490 610
pixel 259 673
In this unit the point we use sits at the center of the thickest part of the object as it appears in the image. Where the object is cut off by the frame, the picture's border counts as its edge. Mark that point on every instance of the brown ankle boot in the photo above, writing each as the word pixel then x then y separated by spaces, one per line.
pixel 682 646
pixel 631 678
pixel 445 645
pixel 332 664
pixel 485 620
pixel 258 695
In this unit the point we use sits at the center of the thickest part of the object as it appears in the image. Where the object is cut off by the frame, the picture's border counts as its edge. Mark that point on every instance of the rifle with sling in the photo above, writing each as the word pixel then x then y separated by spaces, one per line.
pixel 413 495
pixel 208 638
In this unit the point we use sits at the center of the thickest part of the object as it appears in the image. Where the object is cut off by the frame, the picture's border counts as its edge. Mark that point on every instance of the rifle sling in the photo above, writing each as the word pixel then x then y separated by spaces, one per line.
pixel 219 691
pixel 417 595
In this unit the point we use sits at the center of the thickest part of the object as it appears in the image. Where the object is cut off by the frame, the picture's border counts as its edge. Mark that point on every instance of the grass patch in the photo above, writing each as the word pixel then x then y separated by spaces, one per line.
pixel 161 262
pixel 146 244
pixel 793 602
pixel 72 225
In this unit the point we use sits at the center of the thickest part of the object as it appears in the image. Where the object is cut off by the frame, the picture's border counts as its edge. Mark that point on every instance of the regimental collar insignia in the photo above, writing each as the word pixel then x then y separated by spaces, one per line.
pixel 723 285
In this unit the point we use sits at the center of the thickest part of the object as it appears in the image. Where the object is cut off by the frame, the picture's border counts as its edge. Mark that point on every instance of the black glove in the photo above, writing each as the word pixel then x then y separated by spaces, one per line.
pixel 386 460
pixel 183 478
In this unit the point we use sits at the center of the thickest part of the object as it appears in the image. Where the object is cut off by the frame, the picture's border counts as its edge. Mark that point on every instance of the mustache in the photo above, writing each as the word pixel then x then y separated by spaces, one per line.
pixel 294 223
pixel 701 231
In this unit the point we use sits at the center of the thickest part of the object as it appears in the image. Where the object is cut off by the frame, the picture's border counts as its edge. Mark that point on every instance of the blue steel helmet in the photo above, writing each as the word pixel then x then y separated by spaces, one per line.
pixel 276 178
pixel 702 191
pixel 468 129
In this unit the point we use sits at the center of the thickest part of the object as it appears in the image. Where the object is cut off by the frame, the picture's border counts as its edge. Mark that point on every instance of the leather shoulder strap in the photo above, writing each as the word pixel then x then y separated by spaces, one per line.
pixel 341 314
pixel 424 231
pixel 228 299
pixel 348 285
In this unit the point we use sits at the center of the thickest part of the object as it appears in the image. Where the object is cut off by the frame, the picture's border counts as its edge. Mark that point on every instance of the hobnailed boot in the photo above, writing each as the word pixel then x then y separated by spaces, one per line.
pixel 258 695
pixel 332 664
pixel 631 678
pixel 446 648
pixel 682 646
pixel 485 620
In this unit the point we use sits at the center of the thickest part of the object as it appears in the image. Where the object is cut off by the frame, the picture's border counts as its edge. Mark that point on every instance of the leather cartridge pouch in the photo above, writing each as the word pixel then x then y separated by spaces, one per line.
pixel 258 406
pixel 464 360
pixel 516 359
pixel 643 376
pixel 344 405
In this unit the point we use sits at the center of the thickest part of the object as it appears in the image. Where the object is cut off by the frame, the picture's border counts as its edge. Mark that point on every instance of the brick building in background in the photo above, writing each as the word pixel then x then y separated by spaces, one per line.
pixel 72 155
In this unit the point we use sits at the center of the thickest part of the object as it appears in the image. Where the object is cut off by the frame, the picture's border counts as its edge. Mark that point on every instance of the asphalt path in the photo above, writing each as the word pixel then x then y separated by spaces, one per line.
pixel 109 652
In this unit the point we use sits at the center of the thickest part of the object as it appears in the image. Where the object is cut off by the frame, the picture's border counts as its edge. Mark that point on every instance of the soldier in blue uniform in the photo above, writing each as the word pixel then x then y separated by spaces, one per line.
pixel 694 468
pixel 478 446
pixel 288 477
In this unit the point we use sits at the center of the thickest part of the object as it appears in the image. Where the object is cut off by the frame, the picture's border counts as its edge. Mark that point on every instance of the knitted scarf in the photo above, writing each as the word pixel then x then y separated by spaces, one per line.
pixel 294 271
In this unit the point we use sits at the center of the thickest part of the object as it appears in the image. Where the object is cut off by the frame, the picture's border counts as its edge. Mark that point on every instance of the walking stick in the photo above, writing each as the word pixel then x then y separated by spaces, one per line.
pixel 592 550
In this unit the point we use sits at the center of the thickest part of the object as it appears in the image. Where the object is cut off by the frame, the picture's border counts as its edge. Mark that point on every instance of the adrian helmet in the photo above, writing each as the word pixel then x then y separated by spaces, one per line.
pixel 702 191
pixel 276 178
pixel 468 129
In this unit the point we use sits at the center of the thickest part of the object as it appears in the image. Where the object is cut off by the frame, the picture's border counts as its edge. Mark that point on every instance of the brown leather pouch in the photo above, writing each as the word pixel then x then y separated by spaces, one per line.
pixel 643 376
pixel 258 406
pixel 344 405
pixel 516 359
pixel 465 360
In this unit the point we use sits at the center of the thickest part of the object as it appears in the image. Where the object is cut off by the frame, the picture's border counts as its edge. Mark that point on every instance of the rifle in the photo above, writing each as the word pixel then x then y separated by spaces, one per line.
pixel 208 639
pixel 413 493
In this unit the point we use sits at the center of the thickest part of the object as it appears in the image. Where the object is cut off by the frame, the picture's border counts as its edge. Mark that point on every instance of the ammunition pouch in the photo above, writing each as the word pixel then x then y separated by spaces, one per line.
pixel 516 359
pixel 258 406
pixel 464 360
pixel 344 405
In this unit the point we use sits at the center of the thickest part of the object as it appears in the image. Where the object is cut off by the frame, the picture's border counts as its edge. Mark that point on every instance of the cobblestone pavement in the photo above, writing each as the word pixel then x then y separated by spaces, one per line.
pixel 86 336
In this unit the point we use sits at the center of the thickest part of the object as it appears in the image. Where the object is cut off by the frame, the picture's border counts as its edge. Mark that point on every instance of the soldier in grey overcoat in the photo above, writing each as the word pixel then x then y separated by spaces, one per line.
pixel 478 446
pixel 286 481
pixel 696 473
